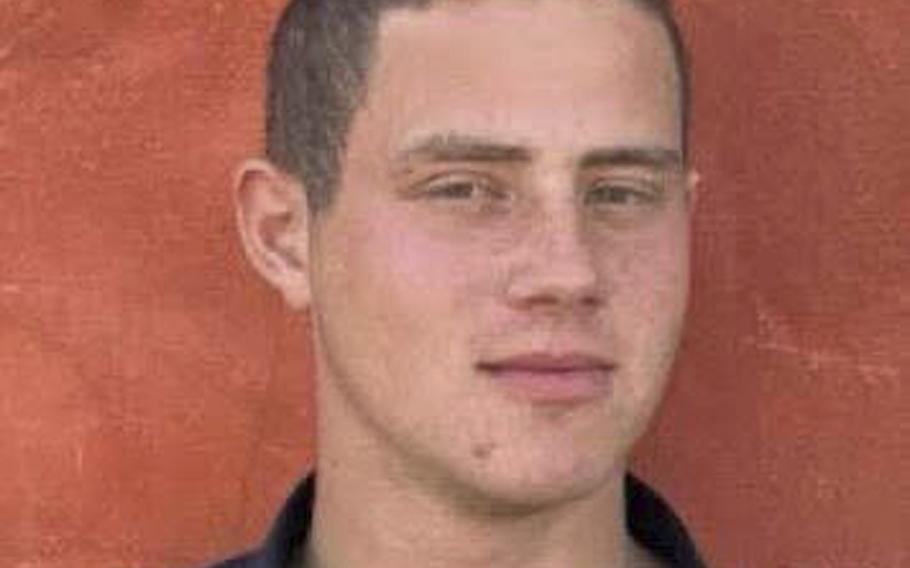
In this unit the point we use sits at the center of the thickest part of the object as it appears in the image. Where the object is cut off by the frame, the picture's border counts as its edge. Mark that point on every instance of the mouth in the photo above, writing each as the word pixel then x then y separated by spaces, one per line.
pixel 563 378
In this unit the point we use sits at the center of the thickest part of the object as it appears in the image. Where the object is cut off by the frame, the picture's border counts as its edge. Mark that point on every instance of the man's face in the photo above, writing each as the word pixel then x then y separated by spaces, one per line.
pixel 500 283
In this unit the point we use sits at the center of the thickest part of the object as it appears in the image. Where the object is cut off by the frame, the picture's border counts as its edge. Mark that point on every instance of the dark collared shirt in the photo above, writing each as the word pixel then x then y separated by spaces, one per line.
pixel 649 520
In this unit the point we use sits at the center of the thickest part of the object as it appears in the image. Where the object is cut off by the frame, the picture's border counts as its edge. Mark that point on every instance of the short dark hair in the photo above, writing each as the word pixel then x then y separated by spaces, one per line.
pixel 321 53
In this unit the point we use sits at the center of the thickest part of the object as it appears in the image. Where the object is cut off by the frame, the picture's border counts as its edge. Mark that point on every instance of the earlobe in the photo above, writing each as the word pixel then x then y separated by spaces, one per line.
pixel 272 217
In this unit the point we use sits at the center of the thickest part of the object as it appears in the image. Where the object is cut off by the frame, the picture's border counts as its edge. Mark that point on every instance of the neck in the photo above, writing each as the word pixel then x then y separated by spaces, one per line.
pixel 372 510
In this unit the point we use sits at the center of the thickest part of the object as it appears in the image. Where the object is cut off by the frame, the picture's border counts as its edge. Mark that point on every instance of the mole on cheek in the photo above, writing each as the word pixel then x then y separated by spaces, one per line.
pixel 483 451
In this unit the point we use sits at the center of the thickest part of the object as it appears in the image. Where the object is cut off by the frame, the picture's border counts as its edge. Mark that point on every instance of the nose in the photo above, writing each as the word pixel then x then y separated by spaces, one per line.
pixel 557 267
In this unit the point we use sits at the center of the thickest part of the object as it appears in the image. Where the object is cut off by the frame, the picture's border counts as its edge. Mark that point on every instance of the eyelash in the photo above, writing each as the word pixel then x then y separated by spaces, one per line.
pixel 442 187
pixel 642 191
pixel 617 194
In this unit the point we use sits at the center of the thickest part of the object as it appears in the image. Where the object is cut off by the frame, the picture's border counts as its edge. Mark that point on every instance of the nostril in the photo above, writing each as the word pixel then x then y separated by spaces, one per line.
pixel 554 284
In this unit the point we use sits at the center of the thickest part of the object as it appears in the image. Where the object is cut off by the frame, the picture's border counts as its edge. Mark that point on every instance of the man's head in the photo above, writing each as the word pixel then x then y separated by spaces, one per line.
pixel 498 287
pixel 321 55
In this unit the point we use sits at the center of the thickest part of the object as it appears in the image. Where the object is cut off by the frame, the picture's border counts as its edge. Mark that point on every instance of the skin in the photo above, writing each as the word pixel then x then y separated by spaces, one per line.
pixel 482 213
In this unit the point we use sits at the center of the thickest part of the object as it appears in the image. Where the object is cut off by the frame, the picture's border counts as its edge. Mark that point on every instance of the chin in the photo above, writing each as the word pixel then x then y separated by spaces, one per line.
pixel 513 489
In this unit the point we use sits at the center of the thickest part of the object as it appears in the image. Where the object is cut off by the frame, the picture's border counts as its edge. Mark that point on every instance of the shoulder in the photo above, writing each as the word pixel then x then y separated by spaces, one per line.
pixel 287 536
pixel 656 527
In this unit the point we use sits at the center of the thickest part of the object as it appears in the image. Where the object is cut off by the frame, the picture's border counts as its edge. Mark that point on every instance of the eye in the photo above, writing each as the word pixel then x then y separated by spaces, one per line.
pixel 463 188
pixel 623 192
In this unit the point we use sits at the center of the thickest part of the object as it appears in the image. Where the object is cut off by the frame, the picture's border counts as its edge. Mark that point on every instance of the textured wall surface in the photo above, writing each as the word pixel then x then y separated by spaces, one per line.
pixel 154 395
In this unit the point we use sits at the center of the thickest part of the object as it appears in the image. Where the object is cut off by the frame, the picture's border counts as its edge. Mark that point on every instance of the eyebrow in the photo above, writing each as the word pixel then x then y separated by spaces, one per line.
pixel 456 147
pixel 656 157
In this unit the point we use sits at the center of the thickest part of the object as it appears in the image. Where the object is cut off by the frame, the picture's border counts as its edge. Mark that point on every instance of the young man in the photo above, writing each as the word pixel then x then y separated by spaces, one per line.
pixel 484 204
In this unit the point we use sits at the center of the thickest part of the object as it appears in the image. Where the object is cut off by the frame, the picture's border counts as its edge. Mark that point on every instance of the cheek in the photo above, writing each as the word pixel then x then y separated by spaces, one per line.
pixel 645 315
pixel 650 271
pixel 422 272
pixel 650 281
pixel 422 262
pixel 384 300
pixel 406 287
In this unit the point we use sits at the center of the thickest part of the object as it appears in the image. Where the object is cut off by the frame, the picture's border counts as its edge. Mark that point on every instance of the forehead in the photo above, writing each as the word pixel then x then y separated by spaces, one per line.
pixel 537 72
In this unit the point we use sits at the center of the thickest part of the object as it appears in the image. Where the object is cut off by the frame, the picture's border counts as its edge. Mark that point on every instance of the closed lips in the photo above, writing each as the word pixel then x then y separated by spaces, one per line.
pixel 547 364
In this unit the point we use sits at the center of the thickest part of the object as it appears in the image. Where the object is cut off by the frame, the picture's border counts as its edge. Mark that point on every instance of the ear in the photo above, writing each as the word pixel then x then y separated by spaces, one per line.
pixel 693 188
pixel 273 218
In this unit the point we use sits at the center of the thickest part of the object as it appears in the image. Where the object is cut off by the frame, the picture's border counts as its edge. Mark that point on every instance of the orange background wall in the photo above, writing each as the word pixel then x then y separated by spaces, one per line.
pixel 154 395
